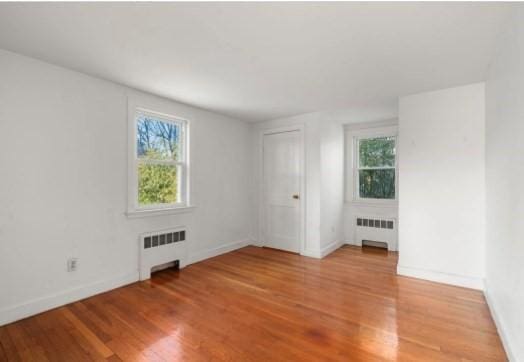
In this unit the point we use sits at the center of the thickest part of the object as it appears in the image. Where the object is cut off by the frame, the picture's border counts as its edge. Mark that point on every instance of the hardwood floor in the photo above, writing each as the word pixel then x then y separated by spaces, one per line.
pixel 256 304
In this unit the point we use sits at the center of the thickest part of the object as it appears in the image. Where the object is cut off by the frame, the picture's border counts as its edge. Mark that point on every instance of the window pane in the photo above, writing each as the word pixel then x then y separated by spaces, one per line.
pixel 157 139
pixel 377 184
pixel 158 184
pixel 377 152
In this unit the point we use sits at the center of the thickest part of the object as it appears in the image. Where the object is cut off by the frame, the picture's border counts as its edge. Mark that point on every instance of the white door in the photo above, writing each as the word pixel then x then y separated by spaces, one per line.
pixel 281 219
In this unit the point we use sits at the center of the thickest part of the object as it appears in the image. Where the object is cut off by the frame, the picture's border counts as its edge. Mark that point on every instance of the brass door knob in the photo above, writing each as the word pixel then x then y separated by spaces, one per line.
pixel 296 197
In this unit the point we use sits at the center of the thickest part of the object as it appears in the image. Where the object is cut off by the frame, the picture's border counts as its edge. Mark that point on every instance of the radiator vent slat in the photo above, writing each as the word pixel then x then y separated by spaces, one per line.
pixel 154 241
pixel 374 223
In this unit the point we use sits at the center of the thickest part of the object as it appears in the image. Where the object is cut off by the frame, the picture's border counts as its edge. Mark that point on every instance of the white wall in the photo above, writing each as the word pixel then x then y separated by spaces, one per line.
pixel 441 185
pixel 504 183
pixel 352 207
pixel 332 124
pixel 63 189
pixel 331 185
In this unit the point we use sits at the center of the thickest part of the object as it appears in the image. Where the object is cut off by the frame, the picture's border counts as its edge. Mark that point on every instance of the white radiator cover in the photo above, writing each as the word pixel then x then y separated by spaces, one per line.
pixel 162 247
pixel 376 228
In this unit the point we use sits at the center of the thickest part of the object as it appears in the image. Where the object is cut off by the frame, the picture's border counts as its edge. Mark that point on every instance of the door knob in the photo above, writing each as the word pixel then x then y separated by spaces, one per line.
pixel 295 196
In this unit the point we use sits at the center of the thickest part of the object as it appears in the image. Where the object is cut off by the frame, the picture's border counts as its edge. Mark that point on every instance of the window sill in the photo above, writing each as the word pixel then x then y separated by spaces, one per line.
pixel 160 212
pixel 391 204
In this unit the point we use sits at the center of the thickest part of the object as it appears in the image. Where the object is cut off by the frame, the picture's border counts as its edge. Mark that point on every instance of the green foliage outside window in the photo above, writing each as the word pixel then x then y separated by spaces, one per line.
pixel 377 168
pixel 158 149
pixel 377 184
pixel 377 152
pixel 157 184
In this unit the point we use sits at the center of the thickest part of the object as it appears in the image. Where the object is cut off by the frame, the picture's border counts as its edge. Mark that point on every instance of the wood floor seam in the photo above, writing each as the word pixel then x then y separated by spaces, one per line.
pixel 257 304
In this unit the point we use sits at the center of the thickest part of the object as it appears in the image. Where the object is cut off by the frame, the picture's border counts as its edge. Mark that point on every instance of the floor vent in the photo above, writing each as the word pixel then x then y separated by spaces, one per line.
pixel 158 248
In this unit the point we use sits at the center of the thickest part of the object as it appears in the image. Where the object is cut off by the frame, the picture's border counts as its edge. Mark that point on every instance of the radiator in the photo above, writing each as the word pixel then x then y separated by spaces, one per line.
pixel 162 247
pixel 376 229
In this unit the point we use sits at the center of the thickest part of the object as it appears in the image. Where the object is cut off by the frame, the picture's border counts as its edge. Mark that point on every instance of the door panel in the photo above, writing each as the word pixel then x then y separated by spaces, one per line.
pixel 281 227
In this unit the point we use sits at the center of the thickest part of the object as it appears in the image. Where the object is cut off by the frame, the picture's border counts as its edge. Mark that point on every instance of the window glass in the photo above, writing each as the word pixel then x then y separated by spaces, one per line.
pixel 159 161
pixel 377 184
pixel 376 168
pixel 157 139
pixel 377 152
pixel 158 184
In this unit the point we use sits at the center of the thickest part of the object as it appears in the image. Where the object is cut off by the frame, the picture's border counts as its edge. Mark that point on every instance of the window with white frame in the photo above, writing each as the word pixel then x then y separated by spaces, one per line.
pixel 375 171
pixel 159 161
pixel 376 167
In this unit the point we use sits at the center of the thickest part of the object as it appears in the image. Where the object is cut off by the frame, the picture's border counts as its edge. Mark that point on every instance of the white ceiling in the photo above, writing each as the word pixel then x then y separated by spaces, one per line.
pixel 257 61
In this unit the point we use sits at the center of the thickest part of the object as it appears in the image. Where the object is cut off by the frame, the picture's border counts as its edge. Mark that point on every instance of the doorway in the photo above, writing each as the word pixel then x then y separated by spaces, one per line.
pixel 282 206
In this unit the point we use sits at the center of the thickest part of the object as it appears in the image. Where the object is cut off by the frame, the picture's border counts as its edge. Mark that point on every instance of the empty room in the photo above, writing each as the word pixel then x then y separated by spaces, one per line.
pixel 262 181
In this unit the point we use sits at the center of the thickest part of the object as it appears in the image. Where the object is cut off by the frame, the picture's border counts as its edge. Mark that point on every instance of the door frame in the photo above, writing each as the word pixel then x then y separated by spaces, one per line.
pixel 300 128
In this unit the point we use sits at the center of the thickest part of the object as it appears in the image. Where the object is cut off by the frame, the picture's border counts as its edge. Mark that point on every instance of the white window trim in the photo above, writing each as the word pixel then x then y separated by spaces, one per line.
pixel 352 141
pixel 134 210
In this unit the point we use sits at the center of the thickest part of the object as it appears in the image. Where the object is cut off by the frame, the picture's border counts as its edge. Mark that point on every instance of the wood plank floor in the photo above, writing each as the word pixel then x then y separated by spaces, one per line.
pixel 257 304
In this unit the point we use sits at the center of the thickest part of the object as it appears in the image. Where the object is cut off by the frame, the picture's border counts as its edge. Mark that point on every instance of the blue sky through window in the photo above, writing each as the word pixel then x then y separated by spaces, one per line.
pixel 157 139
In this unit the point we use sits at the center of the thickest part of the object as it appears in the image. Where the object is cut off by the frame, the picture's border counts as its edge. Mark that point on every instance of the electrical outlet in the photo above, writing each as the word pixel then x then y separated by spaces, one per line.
pixel 72 264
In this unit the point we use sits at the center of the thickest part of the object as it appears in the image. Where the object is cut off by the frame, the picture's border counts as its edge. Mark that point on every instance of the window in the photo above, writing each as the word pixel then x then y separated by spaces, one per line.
pixel 376 167
pixel 159 162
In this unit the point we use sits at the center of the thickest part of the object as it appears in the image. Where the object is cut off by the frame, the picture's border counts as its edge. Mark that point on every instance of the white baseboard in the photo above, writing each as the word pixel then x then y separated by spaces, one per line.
pixel 312 253
pixel 504 335
pixel 321 253
pixel 39 305
pixel 257 243
pixel 328 249
pixel 453 279
pixel 226 248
